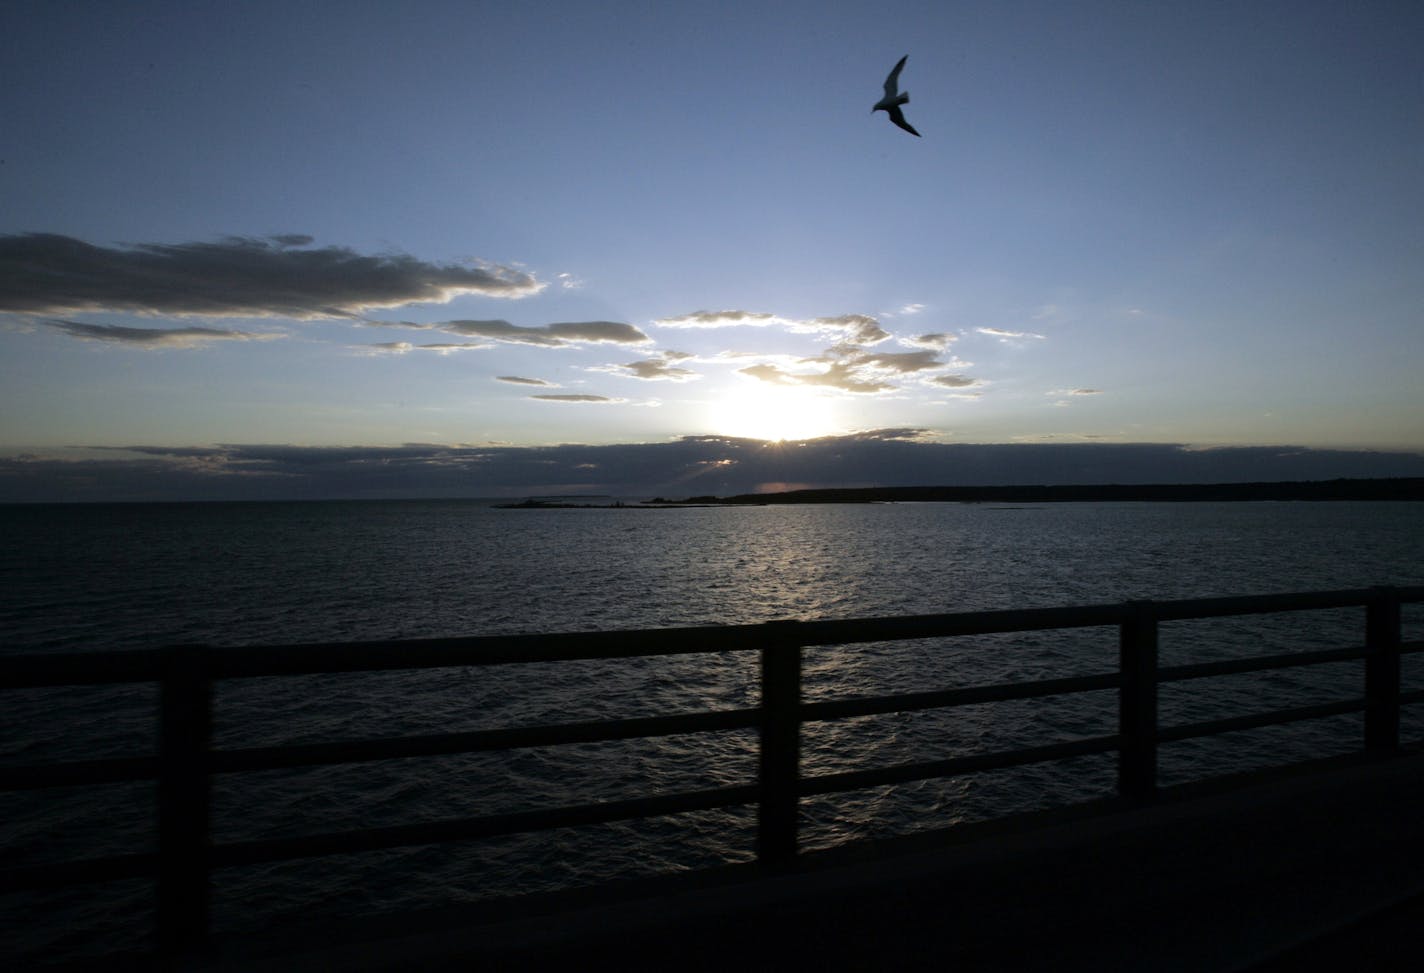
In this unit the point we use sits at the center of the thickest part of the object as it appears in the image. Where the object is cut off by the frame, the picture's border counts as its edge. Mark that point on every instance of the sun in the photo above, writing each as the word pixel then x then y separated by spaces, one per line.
pixel 774 412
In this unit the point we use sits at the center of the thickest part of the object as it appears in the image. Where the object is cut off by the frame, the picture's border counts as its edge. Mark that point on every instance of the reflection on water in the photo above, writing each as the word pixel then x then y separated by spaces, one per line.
pixel 103 577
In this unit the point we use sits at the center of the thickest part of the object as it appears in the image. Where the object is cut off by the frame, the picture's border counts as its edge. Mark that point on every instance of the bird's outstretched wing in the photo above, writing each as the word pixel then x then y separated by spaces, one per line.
pixel 892 81
pixel 898 117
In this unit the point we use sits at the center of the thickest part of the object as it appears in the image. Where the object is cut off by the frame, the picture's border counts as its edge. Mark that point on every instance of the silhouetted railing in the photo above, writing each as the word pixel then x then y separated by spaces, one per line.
pixel 186 760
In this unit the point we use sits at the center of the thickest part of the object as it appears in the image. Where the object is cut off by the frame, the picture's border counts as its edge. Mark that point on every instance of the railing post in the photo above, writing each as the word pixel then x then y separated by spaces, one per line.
pixel 184 801
pixel 1382 637
pixel 1137 702
pixel 780 744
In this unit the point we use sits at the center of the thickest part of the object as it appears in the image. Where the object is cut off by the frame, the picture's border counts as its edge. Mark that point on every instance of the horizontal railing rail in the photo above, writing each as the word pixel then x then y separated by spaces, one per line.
pixel 187 761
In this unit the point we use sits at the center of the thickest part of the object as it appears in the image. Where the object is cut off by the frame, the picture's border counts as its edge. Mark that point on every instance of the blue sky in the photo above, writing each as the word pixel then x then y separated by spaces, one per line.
pixel 522 225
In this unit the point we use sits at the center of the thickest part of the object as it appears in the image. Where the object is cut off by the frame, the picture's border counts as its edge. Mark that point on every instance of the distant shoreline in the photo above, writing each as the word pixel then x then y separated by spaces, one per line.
pixel 1396 489
pixel 1403 488
pixel 1381 489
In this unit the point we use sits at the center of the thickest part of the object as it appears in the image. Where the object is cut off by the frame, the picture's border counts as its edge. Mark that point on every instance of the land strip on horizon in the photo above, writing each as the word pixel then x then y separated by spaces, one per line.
pixel 1402 488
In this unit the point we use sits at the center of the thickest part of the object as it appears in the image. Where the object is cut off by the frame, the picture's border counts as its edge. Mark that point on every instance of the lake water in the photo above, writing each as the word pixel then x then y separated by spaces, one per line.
pixel 100 577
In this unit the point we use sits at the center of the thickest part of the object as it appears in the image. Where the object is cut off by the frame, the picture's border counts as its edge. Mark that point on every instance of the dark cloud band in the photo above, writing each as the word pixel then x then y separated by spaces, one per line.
pixel 45 273
pixel 688 466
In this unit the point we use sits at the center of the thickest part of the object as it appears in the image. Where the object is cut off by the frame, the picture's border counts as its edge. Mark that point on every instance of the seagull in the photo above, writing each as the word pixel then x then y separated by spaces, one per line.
pixel 894 98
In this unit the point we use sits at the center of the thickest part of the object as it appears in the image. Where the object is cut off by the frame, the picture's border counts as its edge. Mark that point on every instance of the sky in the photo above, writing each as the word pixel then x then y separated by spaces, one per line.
pixel 463 248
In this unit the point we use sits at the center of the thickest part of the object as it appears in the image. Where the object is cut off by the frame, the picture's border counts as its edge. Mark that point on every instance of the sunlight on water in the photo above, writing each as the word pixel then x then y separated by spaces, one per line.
pixel 95 578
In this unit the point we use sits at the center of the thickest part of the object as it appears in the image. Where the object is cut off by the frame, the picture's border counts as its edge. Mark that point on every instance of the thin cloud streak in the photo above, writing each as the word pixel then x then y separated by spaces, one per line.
pixel 860 329
pixel 1004 335
pixel 154 338
pixel 719 319
pixel 954 381
pixel 559 335
pixel 406 347
pixel 576 397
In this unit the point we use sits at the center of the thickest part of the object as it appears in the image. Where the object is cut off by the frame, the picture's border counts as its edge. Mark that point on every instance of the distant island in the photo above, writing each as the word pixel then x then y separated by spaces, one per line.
pixel 1402 488
pixel 570 503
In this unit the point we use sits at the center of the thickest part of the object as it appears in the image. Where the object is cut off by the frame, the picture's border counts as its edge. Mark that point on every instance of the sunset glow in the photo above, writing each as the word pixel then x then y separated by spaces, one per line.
pixel 774 413
pixel 223 234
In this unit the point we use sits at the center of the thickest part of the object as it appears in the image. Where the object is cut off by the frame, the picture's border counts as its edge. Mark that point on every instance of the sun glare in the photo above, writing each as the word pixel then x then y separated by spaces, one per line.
pixel 774 412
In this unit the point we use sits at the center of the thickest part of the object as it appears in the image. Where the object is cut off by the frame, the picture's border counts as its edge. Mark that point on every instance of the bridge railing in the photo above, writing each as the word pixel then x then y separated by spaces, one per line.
pixel 187 761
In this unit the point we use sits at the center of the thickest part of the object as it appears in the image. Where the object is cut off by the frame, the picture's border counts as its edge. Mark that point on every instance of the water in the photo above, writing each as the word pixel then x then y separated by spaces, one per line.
pixel 101 577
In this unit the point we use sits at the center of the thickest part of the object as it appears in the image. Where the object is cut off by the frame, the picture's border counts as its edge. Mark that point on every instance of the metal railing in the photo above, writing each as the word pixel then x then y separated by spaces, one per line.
pixel 186 760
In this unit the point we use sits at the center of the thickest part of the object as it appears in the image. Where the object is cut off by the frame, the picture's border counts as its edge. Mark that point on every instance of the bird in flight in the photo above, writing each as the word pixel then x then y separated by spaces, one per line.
pixel 894 98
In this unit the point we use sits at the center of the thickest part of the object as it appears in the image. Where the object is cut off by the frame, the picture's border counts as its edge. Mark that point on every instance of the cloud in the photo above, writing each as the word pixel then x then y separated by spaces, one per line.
pixel 658 368
pixel 718 319
pixel 156 337
pixel 446 347
pixel 860 329
pixel 901 362
pixel 773 374
pixel 405 347
pixel 857 329
pixel 954 381
pixel 848 368
pixel 841 376
pixel 682 467
pixel 938 341
pixel 550 335
pixel 1064 403
pixel 1003 335
pixel 575 398
pixel 46 273
pixel 517 380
